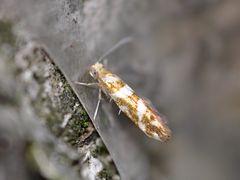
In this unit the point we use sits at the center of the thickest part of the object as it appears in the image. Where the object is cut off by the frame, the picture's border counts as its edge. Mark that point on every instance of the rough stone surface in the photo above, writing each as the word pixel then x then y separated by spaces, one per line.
pixel 42 121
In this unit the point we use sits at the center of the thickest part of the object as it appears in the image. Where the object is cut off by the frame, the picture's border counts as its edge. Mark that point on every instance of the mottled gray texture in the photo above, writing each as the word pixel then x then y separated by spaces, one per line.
pixel 53 25
pixel 45 132
pixel 52 100
pixel 185 59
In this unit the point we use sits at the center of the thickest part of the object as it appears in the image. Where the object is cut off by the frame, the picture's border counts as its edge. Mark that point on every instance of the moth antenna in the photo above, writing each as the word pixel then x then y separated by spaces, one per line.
pixel 115 47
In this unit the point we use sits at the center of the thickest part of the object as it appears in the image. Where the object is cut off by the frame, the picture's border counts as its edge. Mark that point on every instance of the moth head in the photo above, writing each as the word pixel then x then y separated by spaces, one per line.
pixel 95 69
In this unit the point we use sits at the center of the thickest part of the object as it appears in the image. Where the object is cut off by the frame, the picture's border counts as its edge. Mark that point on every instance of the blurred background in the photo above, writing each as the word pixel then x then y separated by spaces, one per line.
pixel 184 59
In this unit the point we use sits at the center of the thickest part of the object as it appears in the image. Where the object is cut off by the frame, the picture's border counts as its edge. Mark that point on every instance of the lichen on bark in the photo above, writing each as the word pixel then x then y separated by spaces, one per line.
pixel 54 101
pixel 56 135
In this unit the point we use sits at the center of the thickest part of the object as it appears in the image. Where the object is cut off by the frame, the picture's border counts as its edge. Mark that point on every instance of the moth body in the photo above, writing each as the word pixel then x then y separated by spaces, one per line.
pixel 137 109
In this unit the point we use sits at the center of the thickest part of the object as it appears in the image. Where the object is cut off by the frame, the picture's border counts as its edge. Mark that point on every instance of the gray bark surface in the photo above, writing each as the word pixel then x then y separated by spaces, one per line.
pixel 184 58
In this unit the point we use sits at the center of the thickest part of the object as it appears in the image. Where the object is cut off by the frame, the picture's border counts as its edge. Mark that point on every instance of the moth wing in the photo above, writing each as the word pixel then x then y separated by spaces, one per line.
pixel 150 106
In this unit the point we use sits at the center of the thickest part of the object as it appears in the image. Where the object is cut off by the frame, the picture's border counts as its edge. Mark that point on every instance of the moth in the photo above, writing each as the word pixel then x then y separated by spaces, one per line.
pixel 137 109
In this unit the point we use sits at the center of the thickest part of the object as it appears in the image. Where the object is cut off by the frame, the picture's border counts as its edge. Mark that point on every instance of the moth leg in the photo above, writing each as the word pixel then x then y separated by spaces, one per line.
pixel 87 84
pixel 98 103
pixel 119 111
pixel 110 100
